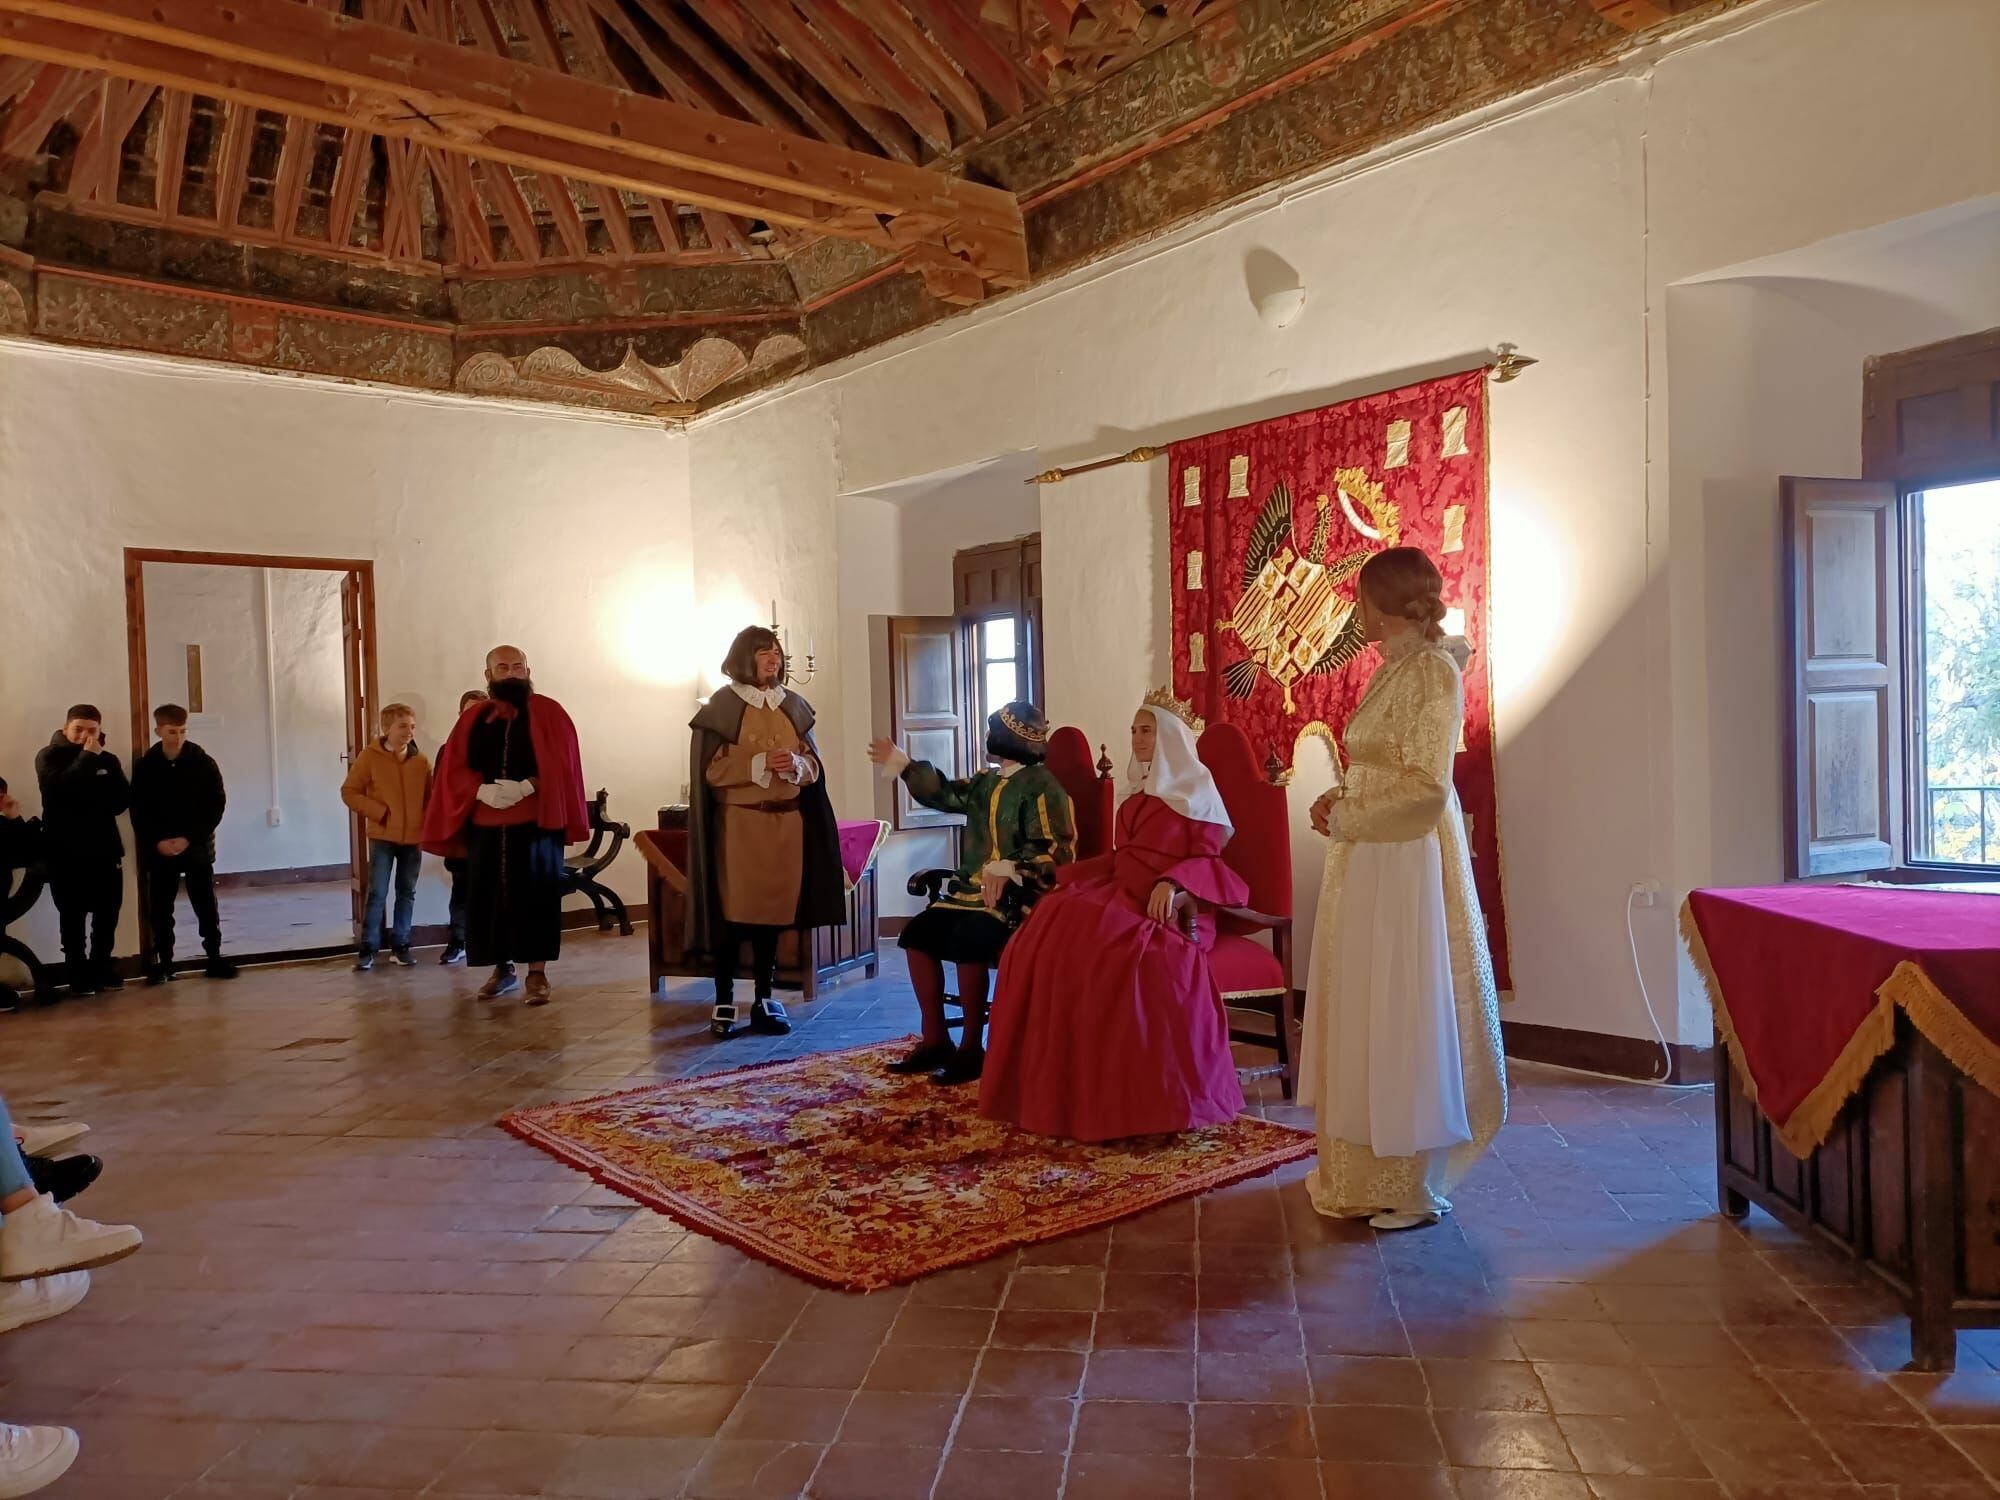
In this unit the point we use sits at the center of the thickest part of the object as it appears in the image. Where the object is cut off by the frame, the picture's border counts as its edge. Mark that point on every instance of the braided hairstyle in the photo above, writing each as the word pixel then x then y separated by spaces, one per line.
pixel 1404 584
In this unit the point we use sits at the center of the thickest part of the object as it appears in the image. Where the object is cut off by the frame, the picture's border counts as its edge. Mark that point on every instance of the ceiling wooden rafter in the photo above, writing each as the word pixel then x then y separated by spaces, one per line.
pixel 745 139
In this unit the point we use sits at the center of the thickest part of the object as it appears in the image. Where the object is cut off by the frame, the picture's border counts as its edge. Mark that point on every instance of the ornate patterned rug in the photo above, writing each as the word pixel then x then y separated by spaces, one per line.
pixel 856 1178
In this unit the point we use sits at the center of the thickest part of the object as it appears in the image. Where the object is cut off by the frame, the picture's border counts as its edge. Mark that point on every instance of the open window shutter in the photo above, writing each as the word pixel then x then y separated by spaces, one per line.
pixel 1843 586
pixel 926 705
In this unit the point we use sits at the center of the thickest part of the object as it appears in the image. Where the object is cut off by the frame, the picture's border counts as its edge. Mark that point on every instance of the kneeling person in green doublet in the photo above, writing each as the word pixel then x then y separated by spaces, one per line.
pixel 1018 829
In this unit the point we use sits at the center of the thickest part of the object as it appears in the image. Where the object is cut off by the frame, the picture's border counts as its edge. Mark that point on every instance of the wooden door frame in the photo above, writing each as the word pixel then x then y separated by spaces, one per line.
pixel 361 569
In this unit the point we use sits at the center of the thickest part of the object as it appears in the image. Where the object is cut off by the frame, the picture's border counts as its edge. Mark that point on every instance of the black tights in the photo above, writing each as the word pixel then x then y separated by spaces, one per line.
pixel 763 943
pixel 927 979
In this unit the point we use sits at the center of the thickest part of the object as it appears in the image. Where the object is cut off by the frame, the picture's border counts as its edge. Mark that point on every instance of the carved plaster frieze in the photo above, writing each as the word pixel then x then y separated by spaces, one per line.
pixel 13 309
pixel 632 385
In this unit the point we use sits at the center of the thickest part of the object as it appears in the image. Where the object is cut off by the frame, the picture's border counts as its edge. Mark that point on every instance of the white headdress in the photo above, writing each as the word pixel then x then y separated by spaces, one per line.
pixel 1176 775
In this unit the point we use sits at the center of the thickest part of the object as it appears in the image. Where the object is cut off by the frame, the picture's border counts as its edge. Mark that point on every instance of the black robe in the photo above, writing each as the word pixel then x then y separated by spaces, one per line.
pixel 823 885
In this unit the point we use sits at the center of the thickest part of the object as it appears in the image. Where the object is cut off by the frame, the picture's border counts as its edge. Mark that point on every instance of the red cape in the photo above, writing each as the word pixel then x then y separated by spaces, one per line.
pixel 558 779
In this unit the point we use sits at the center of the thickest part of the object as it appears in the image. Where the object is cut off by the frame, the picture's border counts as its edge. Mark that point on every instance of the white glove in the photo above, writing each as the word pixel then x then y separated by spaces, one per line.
pixel 494 795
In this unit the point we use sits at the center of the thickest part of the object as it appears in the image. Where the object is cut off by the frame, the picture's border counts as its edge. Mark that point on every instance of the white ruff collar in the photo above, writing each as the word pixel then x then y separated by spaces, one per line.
pixel 759 697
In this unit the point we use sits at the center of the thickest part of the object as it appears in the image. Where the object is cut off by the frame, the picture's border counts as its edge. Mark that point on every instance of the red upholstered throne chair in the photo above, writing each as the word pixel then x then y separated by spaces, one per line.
pixel 1093 800
pixel 1252 958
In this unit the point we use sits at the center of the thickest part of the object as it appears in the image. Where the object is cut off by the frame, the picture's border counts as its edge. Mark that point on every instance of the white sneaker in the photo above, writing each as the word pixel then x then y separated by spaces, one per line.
pixel 42 1298
pixel 47 1137
pixel 33 1458
pixel 42 1239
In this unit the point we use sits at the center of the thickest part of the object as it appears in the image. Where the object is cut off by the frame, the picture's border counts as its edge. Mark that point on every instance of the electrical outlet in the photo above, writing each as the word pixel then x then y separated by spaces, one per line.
pixel 1646 893
pixel 274 816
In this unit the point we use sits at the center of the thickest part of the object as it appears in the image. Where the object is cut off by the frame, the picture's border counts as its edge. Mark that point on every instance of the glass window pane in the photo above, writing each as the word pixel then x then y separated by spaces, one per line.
pixel 997 639
pixel 1000 684
pixel 1958 807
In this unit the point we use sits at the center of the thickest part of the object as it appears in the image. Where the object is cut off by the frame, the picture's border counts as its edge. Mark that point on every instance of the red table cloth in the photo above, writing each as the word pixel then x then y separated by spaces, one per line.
pixel 1805 981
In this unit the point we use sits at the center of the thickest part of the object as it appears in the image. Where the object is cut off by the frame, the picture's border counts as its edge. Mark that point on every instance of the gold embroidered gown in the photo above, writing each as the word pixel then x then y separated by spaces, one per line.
pixel 1402 1060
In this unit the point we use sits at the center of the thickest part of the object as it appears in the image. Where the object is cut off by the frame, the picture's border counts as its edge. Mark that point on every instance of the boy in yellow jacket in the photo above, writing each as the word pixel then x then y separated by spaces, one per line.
pixel 388 785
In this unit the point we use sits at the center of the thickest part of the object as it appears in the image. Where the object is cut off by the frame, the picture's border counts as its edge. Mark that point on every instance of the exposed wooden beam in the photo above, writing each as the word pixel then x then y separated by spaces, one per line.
pixel 54 93
pixel 321 65
pixel 402 219
pixel 232 160
pixel 673 82
pixel 751 45
pixel 16 73
pixel 93 173
pixel 170 162
pixel 723 234
pixel 856 40
pixel 350 176
pixel 747 97
pixel 916 52
pixel 846 88
pixel 497 186
pixel 562 212
pixel 970 47
pixel 451 181
pixel 666 224
pixel 617 223
pixel 294 158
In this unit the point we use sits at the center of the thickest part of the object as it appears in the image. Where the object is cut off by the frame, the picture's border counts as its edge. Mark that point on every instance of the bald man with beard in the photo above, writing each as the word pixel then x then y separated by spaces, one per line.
pixel 507 798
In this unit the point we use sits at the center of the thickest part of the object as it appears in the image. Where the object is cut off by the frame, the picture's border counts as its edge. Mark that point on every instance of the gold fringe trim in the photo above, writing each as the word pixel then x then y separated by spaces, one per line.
pixel 1930 1011
pixel 1971 1051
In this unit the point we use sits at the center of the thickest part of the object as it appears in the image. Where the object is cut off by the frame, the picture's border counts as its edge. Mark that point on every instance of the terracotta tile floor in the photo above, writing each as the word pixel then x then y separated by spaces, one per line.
pixel 355 1288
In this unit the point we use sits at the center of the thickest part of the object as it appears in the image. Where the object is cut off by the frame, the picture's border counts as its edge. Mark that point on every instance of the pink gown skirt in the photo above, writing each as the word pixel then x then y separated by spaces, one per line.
pixel 1106 1023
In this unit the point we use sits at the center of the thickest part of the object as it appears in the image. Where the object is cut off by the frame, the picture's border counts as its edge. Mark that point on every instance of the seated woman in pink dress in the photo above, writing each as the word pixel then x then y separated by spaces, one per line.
pixel 1106 1021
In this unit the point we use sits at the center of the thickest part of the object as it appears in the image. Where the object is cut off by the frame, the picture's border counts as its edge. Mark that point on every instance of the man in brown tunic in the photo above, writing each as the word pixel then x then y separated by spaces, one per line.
pixel 763 849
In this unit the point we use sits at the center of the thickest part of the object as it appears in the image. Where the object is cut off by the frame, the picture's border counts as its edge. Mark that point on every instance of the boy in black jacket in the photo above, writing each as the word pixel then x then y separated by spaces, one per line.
pixel 83 792
pixel 177 802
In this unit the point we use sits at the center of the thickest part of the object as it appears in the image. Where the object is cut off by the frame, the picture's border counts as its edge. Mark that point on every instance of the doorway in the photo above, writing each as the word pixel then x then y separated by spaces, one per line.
pixel 274 659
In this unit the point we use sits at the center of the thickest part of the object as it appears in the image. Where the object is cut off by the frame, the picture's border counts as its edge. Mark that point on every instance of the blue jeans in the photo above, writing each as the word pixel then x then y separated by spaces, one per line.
pixel 385 861
pixel 13 1171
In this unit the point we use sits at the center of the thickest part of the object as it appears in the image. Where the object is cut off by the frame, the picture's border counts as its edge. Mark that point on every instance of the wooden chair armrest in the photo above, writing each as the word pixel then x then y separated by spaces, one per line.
pixel 1252 915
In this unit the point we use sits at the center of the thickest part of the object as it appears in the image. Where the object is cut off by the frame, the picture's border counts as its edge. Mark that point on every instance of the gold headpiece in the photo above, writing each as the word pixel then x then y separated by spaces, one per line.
pixel 1180 708
pixel 1033 734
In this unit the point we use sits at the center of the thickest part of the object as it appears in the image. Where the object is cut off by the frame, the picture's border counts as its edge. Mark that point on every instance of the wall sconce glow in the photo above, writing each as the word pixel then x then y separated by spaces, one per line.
pixel 1531 589
pixel 648 622
pixel 1454 622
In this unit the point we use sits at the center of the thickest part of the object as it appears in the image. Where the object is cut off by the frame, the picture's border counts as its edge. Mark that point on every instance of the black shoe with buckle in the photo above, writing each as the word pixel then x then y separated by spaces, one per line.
pixel 769 1017
pixel 722 1021
pixel 960 1067
pixel 925 1057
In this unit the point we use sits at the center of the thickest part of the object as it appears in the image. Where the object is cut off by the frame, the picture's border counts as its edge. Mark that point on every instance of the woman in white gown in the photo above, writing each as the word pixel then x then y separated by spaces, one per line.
pixel 1401 1058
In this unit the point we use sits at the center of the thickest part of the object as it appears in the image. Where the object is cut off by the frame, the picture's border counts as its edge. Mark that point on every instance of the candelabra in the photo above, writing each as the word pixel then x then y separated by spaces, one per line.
pixel 793 678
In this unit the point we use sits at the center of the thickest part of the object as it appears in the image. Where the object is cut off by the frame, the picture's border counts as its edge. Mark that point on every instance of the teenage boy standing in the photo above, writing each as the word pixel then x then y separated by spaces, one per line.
pixel 83 792
pixel 177 804
pixel 388 784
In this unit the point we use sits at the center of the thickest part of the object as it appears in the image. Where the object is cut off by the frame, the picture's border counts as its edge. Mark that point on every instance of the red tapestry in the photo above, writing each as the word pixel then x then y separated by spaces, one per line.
pixel 1270 524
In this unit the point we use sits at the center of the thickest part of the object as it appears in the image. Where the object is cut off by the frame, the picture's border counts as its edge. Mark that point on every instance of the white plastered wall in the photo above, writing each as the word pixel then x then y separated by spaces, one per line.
pixel 568 536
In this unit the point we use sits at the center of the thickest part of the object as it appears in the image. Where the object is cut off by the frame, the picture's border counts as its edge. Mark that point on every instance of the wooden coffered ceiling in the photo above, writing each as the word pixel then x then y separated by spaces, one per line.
pixel 656 205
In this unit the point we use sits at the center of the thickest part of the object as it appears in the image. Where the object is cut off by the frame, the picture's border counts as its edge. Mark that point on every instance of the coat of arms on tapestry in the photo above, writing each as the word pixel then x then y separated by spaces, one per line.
pixel 1270 525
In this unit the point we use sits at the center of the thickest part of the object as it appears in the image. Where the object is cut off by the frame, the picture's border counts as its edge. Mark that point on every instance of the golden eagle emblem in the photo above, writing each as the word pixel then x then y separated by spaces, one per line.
pixel 1291 616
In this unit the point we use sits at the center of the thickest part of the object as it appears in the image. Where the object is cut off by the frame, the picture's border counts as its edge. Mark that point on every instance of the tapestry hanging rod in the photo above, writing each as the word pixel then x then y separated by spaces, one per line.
pixel 1503 368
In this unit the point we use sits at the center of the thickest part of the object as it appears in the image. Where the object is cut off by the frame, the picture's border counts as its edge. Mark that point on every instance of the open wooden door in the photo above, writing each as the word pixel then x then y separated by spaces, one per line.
pixel 354 645
pixel 927 698
pixel 1844 624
